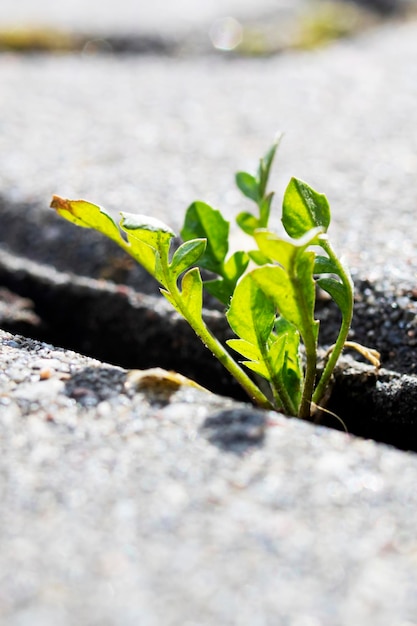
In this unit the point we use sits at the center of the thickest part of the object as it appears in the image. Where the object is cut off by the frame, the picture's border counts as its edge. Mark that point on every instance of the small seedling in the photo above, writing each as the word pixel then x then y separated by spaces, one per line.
pixel 268 292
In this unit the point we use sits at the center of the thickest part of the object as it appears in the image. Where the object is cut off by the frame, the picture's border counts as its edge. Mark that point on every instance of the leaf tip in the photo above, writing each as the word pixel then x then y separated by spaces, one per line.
pixel 59 203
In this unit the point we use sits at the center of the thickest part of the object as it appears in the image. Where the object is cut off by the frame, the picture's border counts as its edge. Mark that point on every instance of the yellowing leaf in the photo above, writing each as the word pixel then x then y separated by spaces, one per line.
pixel 88 215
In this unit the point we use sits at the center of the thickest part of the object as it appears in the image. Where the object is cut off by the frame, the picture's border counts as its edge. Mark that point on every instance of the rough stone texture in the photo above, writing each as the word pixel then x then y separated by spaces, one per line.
pixel 152 135
pixel 170 505
pixel 129 16
pixel 117 324
pixel 160 503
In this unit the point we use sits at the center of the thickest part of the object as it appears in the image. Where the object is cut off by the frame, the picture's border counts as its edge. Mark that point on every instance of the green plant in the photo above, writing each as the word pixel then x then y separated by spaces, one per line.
pixel 268 292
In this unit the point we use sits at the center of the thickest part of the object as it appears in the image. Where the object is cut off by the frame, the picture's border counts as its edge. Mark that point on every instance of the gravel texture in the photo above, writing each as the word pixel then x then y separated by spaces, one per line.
pixel 165 504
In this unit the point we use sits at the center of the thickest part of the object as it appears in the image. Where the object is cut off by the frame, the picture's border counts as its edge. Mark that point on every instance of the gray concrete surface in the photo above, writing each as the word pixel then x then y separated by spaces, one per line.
pixel 139 506
pixel 174 18
pixel 168 505
pixel 130 16
pixel 151 135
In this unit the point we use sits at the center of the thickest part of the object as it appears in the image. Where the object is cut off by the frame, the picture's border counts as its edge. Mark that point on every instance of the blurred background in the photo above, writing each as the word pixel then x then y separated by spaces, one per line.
pixel 146 107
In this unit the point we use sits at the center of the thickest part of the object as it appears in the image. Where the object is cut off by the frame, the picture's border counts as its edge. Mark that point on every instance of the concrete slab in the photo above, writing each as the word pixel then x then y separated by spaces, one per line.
pixel 127 503
pixel 151 135
pixel 129 16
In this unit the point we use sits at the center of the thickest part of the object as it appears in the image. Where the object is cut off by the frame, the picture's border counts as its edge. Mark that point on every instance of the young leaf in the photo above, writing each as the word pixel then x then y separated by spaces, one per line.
pixel 247 222
pixel 258 367
pixel 257 257
pixel 192 292
pixel 265 166
pixel 292 376
pixel 149 238
pixel 186 255
pixel 304 209
pixel 293 293
pixel 204 222
pixel 282 251
pixel 235 266
pixel 190 305
pixel 265 210
pixel 276 352
pixel 245 348
pixel 223 288
pixel 337 291
pixel 88 215
pixel 291 368
pixel 248 185
pixel 220 289
pixel 251 314
pixel 324 265
pixel 150 230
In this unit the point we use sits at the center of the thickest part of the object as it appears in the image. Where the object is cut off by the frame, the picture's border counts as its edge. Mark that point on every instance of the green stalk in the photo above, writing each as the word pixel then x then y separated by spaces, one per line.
pixel 309 379
pixel 310 344
pixel 213 344
pixel 282 398
pixel 344 327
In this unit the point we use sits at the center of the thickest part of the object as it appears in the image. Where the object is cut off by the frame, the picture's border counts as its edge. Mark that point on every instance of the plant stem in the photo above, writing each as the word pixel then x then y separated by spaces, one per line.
pixel 281 396
pixel 309 337
pixel 309 378
pixel 228 362
pixel 344 327
pixel 201 330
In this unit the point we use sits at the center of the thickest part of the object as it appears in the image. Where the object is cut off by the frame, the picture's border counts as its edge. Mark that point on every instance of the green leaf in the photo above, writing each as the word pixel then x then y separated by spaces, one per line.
pixel 282 251
pixel 186 255
pixel 247 222
pixel 293 294
pixel 245 348
pixel 235 266
pixel 257 257
pixel 88 215
pixel 256 361
pixel 277 249
pixel 147 229
pixel 204 222
pixel 248 185
pixel 292 369
pixel 258 367
pixel 292 374
pixel 223 288
pixel 324 265
pixel 304 209
pixel 251 314
pixel 276 352
pixel 191 304
pixel 192 292
pixel 149 239
pixel 220 289
pixel 337 291
pixel 265 165
pixel 167 294
pixel 265 210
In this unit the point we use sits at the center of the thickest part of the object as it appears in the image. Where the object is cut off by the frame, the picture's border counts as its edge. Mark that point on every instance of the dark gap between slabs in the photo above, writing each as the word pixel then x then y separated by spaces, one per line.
pixel 117 325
